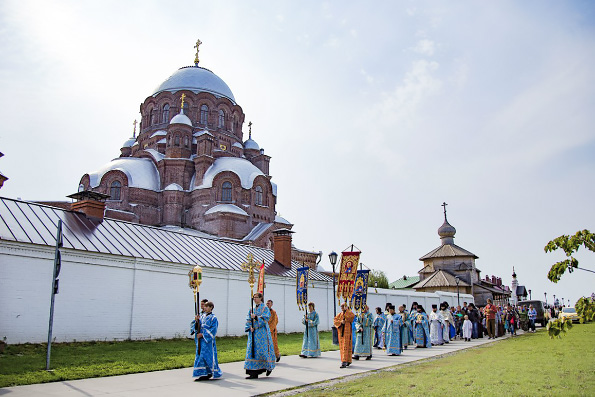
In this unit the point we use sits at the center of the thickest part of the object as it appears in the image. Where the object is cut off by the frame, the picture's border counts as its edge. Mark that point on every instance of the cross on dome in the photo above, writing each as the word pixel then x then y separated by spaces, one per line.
pixel 198 43
pixel 444 205
pixel 182 104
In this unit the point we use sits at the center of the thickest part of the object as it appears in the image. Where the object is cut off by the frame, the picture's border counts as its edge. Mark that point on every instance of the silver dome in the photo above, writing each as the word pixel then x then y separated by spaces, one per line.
pixel 196 79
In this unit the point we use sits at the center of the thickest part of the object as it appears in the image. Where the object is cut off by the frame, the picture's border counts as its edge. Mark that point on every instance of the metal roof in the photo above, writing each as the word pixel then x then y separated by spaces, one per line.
pixel 447 250
pixel 34 223
pixel 404 283
pixel 441 278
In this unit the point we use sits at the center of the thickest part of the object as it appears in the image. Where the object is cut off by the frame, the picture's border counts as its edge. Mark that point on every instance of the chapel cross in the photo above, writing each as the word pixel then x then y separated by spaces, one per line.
pixel 250 130
pixel 134 132
pixel 198 43
pixel 182 105
pixel 444 205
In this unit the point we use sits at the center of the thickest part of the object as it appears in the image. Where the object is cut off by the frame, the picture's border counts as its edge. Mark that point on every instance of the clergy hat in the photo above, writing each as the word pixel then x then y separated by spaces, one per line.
pixel 434 306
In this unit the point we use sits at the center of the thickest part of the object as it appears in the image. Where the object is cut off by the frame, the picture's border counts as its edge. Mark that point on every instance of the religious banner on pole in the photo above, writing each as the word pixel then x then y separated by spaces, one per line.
pixel 301 287
pixel 260 287
pixel 360 291
pixel 347 272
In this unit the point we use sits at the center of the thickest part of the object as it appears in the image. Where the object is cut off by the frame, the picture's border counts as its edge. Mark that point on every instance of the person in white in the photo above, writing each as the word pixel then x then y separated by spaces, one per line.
pixel 467 329
pixel 448 320
pixel 436 323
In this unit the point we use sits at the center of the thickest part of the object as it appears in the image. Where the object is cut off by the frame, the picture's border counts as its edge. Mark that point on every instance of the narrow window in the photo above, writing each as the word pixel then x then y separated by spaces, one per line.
pixel 177 140
pixel 115 190
pixel 226 191
pixel 204 114
pixel 185 141
pixel 221 118
pixel 151 117
pixel 165 115
pixel 258 198
pixel 186 109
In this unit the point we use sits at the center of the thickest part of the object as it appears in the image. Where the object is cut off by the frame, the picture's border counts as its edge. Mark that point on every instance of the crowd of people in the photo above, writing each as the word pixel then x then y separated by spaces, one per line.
pixel 392 330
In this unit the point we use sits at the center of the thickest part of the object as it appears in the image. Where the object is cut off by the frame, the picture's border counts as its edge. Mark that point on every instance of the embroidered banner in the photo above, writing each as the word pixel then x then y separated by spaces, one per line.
pixel 360 291
pixel 301 287
pixel 260 285
pixel 347 272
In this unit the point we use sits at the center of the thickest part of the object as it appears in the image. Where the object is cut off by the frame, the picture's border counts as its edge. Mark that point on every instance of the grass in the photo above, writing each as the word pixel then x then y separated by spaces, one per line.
pixel 531 364
pixel 25 364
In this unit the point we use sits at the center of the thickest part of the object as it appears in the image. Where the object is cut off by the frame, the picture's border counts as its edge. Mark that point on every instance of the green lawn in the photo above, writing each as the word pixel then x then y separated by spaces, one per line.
pixel 25 364
pixel 531 364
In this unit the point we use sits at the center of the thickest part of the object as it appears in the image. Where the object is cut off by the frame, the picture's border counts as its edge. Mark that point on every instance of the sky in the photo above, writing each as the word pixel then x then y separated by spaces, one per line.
pixel 373 115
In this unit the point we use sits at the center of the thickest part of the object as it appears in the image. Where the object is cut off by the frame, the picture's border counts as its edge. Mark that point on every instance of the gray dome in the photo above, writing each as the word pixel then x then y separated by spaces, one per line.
pixel 251 144
pixel 129 142
pixel 181 119
pixel 196 79
pixel 446 230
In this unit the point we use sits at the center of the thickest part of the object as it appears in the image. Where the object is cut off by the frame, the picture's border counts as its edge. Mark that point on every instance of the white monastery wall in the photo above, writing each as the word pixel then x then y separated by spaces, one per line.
pixel 109 297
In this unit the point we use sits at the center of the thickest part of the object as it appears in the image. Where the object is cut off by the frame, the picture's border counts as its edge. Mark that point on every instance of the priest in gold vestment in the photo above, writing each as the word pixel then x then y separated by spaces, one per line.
pixel 343 322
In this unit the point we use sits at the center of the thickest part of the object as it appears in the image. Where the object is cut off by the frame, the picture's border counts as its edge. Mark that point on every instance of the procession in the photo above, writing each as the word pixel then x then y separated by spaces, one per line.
pixel 357 331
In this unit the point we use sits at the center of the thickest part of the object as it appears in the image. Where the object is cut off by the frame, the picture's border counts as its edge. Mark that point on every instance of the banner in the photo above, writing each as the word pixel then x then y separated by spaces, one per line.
pixel 360 291
pixel 301 287
pixel 347 272
pixel 260 285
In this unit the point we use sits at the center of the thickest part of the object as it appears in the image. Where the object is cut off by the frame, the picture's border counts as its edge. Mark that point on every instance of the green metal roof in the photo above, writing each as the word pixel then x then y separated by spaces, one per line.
pixel 404 282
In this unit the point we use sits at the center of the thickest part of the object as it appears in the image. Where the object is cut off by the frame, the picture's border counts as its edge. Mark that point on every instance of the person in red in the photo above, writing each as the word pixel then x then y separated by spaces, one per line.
pixel 490 313
pixel 343 322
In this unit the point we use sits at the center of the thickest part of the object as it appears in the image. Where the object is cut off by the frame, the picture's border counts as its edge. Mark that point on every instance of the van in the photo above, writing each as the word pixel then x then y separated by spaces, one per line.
pixel 539 307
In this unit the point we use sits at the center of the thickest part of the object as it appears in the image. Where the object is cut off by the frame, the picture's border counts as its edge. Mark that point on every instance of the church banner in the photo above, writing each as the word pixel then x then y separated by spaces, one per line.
pixel 348 269
pixel 260 285
pixel 360 291
pixel 301 287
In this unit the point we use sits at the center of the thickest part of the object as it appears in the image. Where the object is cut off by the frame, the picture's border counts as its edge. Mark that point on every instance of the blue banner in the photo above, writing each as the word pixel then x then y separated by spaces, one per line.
pixel 360 290
pixel 301 287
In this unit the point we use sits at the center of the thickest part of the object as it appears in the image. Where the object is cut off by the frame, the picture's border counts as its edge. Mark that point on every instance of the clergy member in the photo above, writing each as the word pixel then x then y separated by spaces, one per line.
pixel 447 320
pixel 311 343
pixel 206 365
pixel 421 327
pixel 436 324
pixel 257 324
pixel 363 334
pixel 378 324
pixel 392 332
pixel 273 321
pixel 343 322
pixel 405 327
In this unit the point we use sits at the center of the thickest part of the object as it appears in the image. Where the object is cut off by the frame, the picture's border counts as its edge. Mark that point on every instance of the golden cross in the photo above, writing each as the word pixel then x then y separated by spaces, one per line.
pixel 134 132
pixel 250 130
pixel 198 43
pixel 250 265
pixel 182 105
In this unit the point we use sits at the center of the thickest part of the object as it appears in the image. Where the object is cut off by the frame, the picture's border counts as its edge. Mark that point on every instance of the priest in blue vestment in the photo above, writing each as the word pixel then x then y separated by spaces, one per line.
pixel 257 324
pixel 363 334
pixel 392 332
pixel 421 327
pixel 405 328
pixel 311 343
pixel 378 324
pixel 206 365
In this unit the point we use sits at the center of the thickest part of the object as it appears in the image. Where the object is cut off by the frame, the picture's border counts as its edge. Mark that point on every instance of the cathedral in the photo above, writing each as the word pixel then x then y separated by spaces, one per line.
pixel 189 166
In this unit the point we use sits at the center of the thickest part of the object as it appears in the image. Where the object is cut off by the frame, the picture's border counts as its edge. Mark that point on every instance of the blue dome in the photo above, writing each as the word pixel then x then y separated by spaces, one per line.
pixel 196 79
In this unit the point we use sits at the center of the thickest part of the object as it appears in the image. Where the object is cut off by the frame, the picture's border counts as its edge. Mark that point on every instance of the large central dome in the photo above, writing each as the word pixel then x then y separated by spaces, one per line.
pixel 196 79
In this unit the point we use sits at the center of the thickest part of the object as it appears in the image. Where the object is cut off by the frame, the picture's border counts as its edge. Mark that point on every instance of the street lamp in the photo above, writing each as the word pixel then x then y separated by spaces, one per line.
pixel 376 286
pixel 333 258
pixel 554 300
pixel 545 296
pixel 458 280
pixel 562 302
pixel 529 294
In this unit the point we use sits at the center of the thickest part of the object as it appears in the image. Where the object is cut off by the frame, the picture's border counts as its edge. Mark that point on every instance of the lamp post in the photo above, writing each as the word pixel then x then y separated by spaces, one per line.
pixel 333 259
pixel 458 280
pixel 562 302
pixel 545 296
pixel 376 286
pixel 554 300
pixel 529 294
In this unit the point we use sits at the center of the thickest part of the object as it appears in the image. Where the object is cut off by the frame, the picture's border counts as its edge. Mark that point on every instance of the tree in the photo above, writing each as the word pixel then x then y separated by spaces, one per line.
pixel 585 307
pixel 570 245
pixel 380 276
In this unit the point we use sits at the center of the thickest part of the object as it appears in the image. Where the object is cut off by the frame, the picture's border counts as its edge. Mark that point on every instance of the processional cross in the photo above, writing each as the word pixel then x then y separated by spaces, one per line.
pixel 250 265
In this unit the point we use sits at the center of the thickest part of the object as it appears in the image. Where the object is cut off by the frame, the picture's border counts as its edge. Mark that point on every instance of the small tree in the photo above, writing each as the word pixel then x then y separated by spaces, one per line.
pixel 570 245
pixel 558 327
pixel 380 276
pixel 585 307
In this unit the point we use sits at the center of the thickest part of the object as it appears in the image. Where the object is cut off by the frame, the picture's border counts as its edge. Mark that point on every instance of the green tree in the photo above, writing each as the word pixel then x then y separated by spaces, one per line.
pixel 585 307
pixel 570 245
pixel 380 276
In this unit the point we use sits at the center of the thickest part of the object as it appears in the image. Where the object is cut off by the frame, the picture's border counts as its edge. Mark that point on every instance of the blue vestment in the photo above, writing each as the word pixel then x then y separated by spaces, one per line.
pixel 405 330
pixel 392 333
pixel 421 329
pixel 311 344
pixel 264 351
pixel 206 362
pixel 378 324
pixel 363 334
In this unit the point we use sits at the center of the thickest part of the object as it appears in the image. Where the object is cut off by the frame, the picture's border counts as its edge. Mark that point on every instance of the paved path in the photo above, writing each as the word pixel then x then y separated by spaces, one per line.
pixel 290 372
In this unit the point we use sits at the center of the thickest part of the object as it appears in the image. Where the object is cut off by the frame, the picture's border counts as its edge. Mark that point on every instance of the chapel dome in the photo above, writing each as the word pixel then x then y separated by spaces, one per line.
pixel 446 230
pixel 196 79
pixel 251 144
pixel 181 118
pixel 129 142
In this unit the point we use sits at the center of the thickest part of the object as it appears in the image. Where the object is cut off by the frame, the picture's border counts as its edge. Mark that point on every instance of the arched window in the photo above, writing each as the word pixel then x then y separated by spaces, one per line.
pixel 221 118
pixel 258 196
pixel 186 109
pixel 185 141
pixel 226 191
pixel 151 117
pixel 114 190
pixel 204 114
pixel 165 114
pixel 177 140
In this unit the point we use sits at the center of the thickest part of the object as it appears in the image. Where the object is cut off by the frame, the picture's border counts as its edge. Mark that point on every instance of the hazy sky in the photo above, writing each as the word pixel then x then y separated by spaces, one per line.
pixel 374 113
